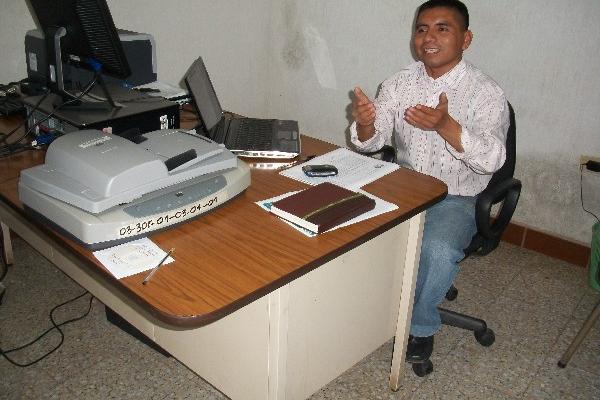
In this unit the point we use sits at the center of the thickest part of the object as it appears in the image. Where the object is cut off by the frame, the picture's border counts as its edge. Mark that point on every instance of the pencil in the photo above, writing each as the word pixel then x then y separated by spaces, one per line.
pixel 158 266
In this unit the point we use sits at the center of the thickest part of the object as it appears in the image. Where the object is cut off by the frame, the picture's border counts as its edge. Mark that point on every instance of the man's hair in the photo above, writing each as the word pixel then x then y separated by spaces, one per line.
pixel 456 5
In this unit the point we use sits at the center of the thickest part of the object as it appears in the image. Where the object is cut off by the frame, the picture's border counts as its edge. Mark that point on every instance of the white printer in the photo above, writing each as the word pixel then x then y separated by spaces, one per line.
pixel 103 189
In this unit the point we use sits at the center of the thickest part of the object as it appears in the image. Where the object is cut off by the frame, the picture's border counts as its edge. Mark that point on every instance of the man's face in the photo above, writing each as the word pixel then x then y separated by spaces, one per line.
pixel 439 40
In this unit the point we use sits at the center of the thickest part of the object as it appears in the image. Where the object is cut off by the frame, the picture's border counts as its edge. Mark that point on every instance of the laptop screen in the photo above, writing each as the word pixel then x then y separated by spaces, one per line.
pixel 204 95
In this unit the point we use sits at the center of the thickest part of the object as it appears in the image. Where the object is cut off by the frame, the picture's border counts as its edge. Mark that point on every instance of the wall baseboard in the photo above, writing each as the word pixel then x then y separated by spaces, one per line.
pixel 544 243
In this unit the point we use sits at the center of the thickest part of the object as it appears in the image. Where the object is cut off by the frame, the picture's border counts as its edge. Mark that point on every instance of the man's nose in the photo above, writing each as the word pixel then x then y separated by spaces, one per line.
pixel 429 36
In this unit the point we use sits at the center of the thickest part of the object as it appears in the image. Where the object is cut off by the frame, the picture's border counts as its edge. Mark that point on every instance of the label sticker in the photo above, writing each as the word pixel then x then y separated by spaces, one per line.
pixel 94 142
pixel 33 64
pixel 144 225
pixel 164 122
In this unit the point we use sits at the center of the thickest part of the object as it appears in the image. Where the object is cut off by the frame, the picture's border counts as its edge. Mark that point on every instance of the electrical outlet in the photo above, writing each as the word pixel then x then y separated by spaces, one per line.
pixel 584 159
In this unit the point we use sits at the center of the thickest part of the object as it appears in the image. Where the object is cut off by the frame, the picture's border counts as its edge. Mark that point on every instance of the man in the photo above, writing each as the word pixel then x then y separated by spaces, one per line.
pixel 448 120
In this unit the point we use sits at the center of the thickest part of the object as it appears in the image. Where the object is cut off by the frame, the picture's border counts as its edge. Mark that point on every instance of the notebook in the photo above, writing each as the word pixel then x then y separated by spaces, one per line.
pixel 247 137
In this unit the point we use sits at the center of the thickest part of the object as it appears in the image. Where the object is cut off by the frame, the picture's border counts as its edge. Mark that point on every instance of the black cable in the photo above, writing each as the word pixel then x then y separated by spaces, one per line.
pixel 75 99
pixel 581 192
pixel 5 136
pixel 6 149
pixel 55 326
pixel 14 149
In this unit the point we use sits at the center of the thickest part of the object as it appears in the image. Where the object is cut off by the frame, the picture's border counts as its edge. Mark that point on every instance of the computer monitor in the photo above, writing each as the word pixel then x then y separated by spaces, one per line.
pixel 81 32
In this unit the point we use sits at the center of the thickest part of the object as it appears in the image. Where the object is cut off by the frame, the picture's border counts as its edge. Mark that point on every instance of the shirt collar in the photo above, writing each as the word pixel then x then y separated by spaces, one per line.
pixel 449 79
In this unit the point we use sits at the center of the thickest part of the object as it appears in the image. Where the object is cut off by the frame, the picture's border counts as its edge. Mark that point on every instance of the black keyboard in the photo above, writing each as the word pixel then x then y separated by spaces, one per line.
pixel 254 134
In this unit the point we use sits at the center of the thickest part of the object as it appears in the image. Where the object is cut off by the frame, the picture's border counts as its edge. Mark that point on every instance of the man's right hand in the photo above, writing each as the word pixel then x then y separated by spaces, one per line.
pixel 363 111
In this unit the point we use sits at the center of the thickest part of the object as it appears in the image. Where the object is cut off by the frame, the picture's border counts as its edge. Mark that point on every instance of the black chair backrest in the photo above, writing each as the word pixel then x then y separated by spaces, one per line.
pixel 508 168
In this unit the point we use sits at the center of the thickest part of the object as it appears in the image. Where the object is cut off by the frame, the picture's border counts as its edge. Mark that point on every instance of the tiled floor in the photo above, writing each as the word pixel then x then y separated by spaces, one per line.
pixel 534 303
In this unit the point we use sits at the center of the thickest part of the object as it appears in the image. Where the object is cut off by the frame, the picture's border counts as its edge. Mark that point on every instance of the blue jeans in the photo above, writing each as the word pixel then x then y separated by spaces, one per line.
pixel 449 227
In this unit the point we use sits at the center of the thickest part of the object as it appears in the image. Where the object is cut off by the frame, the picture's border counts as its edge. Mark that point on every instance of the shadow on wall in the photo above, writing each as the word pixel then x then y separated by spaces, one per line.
pixel 293 53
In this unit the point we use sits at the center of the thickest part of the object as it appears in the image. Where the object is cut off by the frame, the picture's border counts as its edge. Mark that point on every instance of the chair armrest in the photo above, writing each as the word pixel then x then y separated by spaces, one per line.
pixel 508 192
pixel 388 153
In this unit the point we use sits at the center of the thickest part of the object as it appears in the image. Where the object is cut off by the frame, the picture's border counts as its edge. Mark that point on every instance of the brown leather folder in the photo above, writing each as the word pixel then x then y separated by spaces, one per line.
pixel 322 207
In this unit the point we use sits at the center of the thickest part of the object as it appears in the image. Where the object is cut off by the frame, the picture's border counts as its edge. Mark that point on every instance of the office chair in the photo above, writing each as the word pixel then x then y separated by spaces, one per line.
pixel 502 188
pixel 594 281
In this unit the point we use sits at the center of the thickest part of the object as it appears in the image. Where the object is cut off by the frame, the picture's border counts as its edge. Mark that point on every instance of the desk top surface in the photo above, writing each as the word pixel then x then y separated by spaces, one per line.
pixel 237 253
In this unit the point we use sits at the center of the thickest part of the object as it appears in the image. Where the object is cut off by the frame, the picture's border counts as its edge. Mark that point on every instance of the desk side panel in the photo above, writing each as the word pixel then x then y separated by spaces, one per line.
pixel 232 353
pixel 343 311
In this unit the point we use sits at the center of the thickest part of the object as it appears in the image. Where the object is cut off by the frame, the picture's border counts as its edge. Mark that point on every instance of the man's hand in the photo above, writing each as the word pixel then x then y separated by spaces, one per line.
pixel 363 111
pixel 436 119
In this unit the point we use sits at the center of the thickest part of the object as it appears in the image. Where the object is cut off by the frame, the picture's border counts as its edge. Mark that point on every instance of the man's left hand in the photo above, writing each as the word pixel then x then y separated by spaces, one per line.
pixel 436 119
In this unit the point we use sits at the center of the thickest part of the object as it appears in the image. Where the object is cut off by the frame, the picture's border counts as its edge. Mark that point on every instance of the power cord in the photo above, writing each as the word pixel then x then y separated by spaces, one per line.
pixel 11 148
pixel 56 326
pixel 4 136
pixel 592 166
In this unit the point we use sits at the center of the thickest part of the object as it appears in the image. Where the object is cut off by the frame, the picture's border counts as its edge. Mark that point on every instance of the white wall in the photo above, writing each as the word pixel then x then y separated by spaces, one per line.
pixel 231 36
pixel 304 57
pixel 15 19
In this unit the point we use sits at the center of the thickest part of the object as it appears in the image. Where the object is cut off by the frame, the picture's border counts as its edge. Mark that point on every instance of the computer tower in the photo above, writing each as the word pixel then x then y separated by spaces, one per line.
pixel 138 114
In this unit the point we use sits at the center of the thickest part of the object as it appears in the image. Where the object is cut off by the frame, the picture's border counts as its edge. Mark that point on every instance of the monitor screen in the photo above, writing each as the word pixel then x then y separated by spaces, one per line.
pixel 88 36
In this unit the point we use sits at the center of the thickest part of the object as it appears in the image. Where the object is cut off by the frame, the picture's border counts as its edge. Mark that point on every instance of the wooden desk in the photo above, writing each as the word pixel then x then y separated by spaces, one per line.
pixel 250 304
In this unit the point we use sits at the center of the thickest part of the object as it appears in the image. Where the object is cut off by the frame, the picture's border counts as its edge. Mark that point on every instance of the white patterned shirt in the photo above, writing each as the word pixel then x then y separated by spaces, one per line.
pixel 475 101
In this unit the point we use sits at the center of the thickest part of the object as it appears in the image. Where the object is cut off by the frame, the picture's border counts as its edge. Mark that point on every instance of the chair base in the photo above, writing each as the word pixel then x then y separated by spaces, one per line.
pixel 484 335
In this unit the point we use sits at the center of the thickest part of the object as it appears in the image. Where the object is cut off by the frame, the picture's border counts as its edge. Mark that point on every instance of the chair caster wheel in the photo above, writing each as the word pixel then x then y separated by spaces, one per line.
pixel 422 368
pixel 485 337
pixel 451 294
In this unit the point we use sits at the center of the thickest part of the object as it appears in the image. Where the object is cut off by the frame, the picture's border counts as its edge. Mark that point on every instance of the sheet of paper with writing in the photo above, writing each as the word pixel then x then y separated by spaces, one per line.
pixel 132 257
pixel 354 170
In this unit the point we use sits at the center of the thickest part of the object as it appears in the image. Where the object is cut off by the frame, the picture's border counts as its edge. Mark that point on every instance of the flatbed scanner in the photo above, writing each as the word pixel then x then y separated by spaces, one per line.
pixel 103 189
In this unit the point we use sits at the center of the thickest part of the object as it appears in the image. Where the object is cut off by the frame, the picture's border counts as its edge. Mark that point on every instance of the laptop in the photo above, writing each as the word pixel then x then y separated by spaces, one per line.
pixel 247 137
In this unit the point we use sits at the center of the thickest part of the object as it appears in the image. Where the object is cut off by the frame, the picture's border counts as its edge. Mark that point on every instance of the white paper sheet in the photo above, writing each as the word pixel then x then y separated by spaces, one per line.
pixel 132 257
pixel 164 90
pixel 354 170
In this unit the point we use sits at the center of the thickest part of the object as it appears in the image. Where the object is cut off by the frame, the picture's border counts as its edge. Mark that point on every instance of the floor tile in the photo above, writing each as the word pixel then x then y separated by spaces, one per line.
pixel 589 301
pixel 552 382
pixel 369 379
pixel 448 385
pixel 507 366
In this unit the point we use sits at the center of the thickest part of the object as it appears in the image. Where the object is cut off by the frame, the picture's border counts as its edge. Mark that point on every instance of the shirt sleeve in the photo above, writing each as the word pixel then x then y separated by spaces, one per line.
pixel 386 105
pixel 484 144
pixel 373 144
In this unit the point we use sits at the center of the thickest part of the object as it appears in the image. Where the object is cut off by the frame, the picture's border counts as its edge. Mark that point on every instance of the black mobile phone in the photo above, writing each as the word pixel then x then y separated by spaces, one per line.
pixel 320 170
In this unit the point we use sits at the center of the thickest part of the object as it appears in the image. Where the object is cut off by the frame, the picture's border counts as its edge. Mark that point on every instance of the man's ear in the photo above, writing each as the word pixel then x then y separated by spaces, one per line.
pixel 467 39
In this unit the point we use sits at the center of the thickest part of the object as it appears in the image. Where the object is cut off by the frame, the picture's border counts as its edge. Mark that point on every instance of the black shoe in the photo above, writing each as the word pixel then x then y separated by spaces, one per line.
pixel 419 349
